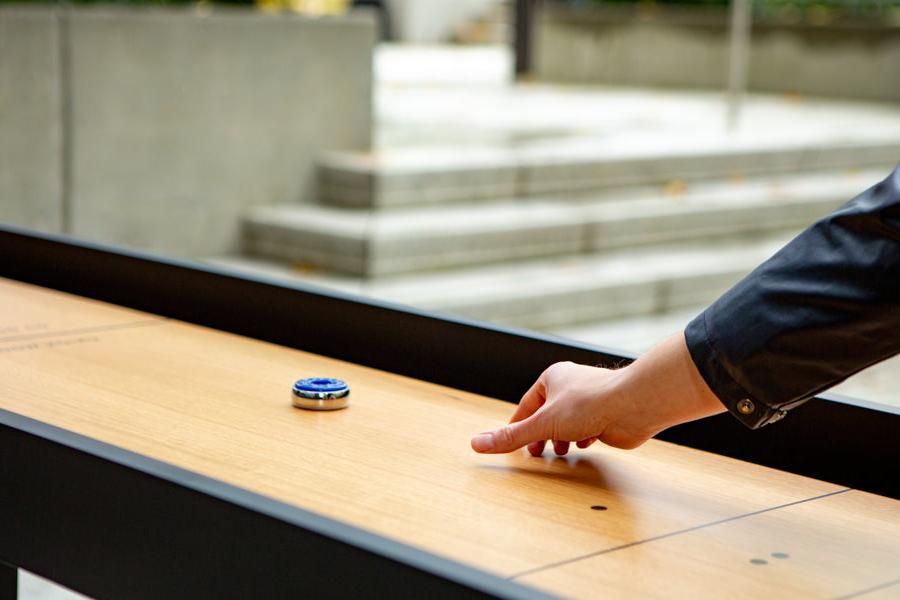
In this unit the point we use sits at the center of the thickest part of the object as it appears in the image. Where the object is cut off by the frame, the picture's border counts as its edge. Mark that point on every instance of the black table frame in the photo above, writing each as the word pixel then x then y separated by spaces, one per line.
pixel 123 525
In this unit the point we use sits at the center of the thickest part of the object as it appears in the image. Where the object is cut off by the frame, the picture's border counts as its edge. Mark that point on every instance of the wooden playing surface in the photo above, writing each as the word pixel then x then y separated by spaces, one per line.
pixel 677 522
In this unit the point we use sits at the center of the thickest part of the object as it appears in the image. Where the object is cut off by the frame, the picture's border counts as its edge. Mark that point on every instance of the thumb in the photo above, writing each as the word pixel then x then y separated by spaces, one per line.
pixel 509 437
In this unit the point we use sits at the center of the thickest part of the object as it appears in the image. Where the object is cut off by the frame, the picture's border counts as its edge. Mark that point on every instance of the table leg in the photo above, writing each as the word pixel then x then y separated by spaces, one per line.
pixel 9 582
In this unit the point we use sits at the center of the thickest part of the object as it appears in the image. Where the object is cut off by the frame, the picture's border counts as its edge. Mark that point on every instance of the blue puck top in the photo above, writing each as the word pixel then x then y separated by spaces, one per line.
pixel 320 384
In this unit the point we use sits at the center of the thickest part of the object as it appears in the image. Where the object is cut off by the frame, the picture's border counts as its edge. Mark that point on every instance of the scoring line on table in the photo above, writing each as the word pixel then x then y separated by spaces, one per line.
pixel 662 536
pixel 874 588
pixel 43 335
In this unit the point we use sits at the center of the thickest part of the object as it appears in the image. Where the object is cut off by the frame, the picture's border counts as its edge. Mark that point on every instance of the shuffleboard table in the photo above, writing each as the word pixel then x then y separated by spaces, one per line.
pixel 149 449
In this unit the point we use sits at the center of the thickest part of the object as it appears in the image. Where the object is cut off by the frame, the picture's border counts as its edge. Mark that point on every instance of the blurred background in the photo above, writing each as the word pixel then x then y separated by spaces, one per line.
pixel 594 170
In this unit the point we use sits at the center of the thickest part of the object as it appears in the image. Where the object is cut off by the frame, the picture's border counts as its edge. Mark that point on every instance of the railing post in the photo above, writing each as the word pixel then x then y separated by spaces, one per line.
pixel 522 38
pixel 738 60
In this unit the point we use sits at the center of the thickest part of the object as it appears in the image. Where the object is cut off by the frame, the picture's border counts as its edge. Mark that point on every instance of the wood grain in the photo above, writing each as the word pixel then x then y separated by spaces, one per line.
pixel 397 462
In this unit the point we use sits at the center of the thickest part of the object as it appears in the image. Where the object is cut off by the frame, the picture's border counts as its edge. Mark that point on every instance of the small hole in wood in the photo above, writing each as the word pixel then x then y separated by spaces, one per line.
pixel 759 561
pixel 780 555
pixel 598 507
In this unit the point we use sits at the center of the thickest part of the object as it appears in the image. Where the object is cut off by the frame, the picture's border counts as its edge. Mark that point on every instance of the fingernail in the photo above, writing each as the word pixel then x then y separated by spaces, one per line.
pixel 483 442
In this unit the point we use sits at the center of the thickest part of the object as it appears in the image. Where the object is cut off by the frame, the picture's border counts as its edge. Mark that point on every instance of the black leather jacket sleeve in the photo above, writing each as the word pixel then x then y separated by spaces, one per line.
pixel 824 307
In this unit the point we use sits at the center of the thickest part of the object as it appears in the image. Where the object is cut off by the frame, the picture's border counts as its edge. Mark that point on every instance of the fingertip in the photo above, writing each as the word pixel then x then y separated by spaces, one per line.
pixel 561 448
pixel 483 442
pixel 537 448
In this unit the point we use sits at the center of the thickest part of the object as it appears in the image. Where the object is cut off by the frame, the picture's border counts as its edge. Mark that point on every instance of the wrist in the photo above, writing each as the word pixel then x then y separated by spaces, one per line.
pixel 663 387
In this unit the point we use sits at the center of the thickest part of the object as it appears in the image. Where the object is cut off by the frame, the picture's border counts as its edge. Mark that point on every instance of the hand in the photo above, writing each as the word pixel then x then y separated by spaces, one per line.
pixel 569 403
pixel 623 408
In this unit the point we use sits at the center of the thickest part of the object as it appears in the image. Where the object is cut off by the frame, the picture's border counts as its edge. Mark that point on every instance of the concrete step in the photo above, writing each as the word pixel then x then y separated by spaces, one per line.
pixel 379 243
pixel 557 292
pixel 419 176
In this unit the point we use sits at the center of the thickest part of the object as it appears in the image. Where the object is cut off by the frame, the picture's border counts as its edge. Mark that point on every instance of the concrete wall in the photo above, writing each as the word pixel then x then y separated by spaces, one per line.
pixel 30 120
pixel 685 48
pixel 433 21
pixel 180 121
pixel 629 53
pixel 831 61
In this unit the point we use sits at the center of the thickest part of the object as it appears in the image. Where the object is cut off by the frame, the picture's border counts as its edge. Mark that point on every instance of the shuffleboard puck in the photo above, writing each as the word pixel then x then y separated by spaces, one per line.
pixel 320 393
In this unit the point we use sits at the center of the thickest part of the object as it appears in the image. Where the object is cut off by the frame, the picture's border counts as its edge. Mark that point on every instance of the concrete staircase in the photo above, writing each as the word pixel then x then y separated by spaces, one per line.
pixel 546 239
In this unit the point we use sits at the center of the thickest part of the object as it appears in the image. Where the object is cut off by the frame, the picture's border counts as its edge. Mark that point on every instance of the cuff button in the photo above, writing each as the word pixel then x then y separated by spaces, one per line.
pixel 746 406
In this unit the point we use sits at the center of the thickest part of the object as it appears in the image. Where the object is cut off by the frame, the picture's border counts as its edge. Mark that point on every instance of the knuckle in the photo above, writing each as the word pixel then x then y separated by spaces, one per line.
pixel 556 367
pixel 505 435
